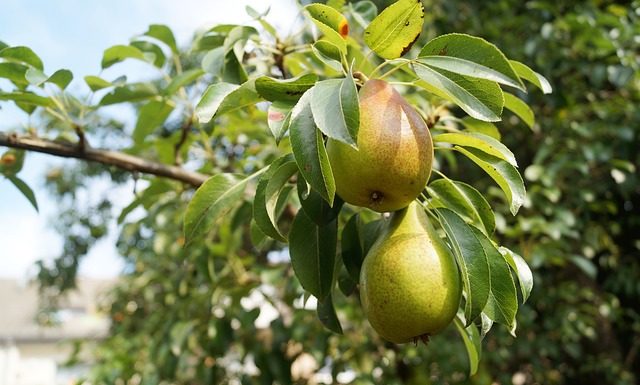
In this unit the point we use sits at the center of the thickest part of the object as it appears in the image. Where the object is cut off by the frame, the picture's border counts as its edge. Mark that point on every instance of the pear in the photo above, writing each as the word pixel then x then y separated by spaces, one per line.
pixel 410 287
pixel 393 160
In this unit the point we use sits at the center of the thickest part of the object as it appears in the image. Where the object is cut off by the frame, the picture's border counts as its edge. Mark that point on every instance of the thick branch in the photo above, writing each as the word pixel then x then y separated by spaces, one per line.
pixel 112 158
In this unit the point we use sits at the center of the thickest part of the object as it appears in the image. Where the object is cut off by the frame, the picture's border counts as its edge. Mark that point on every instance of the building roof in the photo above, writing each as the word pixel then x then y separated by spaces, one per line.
pixel 78 316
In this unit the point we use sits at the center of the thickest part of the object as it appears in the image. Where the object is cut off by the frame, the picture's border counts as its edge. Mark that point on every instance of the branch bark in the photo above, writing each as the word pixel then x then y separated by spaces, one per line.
pixel 111 158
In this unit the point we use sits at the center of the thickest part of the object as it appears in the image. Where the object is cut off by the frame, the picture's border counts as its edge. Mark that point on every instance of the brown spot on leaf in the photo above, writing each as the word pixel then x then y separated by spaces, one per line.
pixel 408 47
pixel 343 28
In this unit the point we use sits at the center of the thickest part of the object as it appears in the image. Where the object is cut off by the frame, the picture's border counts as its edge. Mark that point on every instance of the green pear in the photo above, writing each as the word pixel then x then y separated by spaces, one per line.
pixel 393 160
pixel 409 282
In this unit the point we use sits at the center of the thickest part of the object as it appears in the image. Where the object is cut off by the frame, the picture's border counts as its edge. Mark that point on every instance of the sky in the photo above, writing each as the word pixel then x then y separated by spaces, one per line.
pixel 73 34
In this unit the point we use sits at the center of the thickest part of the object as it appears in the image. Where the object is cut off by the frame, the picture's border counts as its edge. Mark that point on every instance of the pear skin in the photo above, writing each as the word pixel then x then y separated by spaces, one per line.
pixel 393 161
pixel 409 283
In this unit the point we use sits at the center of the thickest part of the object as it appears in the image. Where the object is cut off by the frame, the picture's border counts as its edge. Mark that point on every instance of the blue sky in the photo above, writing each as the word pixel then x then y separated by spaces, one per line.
pixel 72 34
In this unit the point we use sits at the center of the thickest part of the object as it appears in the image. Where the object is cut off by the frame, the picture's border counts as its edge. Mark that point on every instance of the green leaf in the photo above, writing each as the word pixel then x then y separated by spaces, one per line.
pixel 502 304
pixel 25 190
pixel 151 116
pixel 331 23
pixel 530 75
pixel 392 33
pixel 221 98
pixel 182 80
pixel 22 55
pixel 212 201
pixel 150 195
pixel 328 53
pixel 475 125
pixel 118 53
pixel 133 92
pixel 15 72
pixel 478 141
pixel 268 191
pixel 278 119
pixel 313 252
pixel 163 34
pixel 26 98
pixel 468 68
pixel 335 108
pixel 472 342
pixel 522 270
pixel 490 62
pixel 96 83
pixel 316 208
pixel 482 99
pixel 213 62
pixel 289 90
pixel 151 49
pixel 352 247
pixel 35 76
pixel 472 262
pixel 327 315
pixel 520 108
pixel 465 201
pixel 363 12
pixel 309 150
pixel 61 78
pixel 504 174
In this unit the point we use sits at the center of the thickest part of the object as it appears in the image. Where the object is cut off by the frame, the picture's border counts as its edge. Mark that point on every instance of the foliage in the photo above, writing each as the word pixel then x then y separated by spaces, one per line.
pixel 187 309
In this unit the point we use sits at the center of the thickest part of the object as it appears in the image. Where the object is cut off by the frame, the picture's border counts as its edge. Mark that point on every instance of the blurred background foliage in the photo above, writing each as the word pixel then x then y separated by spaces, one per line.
pixel 192 315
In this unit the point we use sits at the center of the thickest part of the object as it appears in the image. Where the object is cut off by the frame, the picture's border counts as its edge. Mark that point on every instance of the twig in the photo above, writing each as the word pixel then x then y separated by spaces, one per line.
pixel 112 158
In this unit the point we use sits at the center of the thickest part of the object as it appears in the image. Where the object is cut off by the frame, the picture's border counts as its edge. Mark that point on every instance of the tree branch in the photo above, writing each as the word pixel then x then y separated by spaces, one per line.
pixel 112 158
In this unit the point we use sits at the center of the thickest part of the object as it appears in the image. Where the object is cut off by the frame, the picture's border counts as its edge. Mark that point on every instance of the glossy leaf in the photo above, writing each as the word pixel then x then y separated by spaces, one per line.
pixel 472 261
pixel 503 173
pixel 352 248
pixel 502 304
pixel 289 90
pixel 152 52
pixel 35 77
pixel 96 83
pixel 472 342
pixel 475 125
pixel 61 78
pixel 163 34
pixel 335 108
pixel 472 49
pixel 327 315
pixel 221 98
pixel 309 150
pixel 468 68
pixel 316 208
pixel 363 12
pixel 392 33
pixel 522 270
pixel 151 116
pixel 478 141
pixel 15 72
pixel 182 80
pixel 25 190
pixel 212 201
pixel 530 75
pixel 118 53
pixel 331 23
pixel 520 108
pixel 268 192
pixel 23 55
pixel 328 53
pixel 212 99
pixel 313 252
pixel 26 98
pixel 482 99
pixel 278 119
pixel 465 200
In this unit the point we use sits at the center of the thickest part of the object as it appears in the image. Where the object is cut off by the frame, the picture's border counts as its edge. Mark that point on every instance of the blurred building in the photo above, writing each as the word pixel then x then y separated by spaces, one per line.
pixel 32 354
